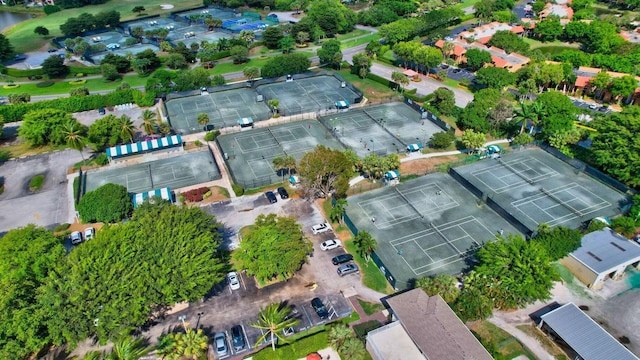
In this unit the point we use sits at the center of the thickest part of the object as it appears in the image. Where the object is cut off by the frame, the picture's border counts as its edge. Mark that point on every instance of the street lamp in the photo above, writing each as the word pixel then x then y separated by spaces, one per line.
pixel 373 145
pixel 183 318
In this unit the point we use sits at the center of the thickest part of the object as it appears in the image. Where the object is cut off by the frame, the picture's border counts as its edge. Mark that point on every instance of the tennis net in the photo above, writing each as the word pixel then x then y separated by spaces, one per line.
pixel 559 201
pixel 276 140
pixel 518 173
pixel 409 202
pixel 380 122
pixel 445 238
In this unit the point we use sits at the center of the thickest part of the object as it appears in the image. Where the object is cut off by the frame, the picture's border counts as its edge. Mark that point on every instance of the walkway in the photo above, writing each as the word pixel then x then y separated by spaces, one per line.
pixel 379 316
pixel 531 343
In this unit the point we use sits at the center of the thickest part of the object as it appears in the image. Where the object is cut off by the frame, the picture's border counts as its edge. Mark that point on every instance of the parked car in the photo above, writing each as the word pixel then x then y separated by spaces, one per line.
pixel 89 233
pixel 271 197
pixel 347 269
pixel 220 342
pixel 320 228
pixel 52 50
pixel 76 237
pixel 234 282
pixel 319 308
pixel 331 244
pixel 341 259
pixel 283 193
pixel 237 338
pixel 593 106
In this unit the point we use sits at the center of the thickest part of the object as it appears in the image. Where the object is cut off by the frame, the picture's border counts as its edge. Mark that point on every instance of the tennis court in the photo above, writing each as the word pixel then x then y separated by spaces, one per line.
pixel 110 37
pixel 186 33
pixel 224 108
pixel 209 36
pixel 155 23
pixel 250 153
pixel 221 14
pixel 381 129
pixel 123 51
pixel 534 187
pixel 308 94
pixel 175 172
pixel 424 227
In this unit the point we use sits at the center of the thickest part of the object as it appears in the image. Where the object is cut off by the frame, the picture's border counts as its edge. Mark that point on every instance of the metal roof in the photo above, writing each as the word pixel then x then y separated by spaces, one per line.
pixel 604 250
pixel 584 335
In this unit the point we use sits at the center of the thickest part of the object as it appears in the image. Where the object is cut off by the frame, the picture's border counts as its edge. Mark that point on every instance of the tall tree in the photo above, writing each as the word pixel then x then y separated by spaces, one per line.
pixel 514 272
pixel 27 256
pixel 73 131
pixel 275 248
pixel 366 244
pixel 473 140
pixel 287 44
pixel 41 30
pixel 400 78
pixel 273 319
pixel 324 171
pixel 330 53
pixel 129 348
pixel 338 210
pixel 338 334
pixel 444 285
pixel 149 118
pixel 54 67
pixel 559 241
pixel 203 119
pixel 495 77
pixel 477 58
pixel 127 129
pixel 192 344
pixel 251 72
pixel 6 49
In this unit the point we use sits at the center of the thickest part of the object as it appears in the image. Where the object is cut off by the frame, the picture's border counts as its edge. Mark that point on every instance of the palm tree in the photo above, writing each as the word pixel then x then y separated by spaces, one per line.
pixel 72 132
pixel 338 335
pixel 203 119
pixel 127 129
pixel 289 163
pixel 287 44
pixel 447 49
pixel 92 355
pixel 165 128
pixel 366 244
pixel 353 349
pixel 273 319
pixel 149 121
pixel 338 210
pixel 188 345
pixel 129 348
pixel 523 114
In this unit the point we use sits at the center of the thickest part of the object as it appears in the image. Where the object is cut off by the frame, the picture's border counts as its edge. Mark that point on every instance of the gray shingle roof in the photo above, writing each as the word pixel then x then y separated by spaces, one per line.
pixel 584 335
pixel 435 328
pixel 604 250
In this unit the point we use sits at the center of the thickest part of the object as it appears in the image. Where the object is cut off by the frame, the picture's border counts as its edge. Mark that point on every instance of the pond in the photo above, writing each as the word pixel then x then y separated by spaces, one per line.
pixel 8 19
pixel 553 49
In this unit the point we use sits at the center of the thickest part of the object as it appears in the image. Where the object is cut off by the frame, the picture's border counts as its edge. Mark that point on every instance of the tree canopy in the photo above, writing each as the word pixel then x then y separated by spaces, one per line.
pixel 509 42
pixel 325 171
pixel 332 16
pixel 444 285
pixel 495 77
pixel 330 53
pixel 54 67
pixel 294 63
pixel 46 126
pixel 108 203
pixel 559 241
pixel 107 286
pixel 274 248
pixel 476 58
pixel 6 49
pixel 27 256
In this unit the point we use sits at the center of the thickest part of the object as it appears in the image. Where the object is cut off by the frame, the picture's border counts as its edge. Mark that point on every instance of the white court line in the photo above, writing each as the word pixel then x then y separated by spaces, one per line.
pixel 254 173
pixel 515 164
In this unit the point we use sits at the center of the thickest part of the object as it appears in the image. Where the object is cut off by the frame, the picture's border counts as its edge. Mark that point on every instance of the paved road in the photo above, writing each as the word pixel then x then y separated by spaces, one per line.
pixel 426 86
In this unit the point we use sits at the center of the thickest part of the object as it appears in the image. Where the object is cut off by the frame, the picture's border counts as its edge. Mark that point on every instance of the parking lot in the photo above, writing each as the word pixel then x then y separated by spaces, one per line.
pixel 223 308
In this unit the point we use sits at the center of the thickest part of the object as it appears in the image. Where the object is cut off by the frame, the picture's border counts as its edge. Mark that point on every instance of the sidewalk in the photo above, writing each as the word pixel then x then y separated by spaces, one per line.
pixel 379 316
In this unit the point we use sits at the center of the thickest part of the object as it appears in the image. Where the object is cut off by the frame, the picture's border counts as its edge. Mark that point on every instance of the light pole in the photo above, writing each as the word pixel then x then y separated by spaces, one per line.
pixel 199 316
pixel 184 324
pixel 373 145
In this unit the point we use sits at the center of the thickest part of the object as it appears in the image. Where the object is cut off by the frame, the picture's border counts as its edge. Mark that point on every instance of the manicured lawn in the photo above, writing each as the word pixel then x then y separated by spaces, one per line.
pixel 24 40
pixel 497 340
pixel 369 307
pixel 363 40
pixel 36 183
pixel 372 90
pixel 24 149
pixel 351 35
pixel 371 275
pixel 296 350
pixel 63 87
pixel 230 67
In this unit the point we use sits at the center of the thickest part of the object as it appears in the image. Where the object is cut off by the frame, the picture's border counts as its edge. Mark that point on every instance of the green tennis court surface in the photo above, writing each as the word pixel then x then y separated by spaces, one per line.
pixel 224 108
pixel 307 95
pixel 426 226
pixel 380 129
pixel 535 187
pixel 175 172
pixel 250 153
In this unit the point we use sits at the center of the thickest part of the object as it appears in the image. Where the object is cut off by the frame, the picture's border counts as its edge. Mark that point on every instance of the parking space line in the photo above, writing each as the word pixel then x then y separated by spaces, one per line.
pixel 242 281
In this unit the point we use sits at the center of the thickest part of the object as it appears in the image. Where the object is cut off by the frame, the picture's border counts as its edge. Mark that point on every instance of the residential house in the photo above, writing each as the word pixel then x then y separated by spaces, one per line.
pixel 499 57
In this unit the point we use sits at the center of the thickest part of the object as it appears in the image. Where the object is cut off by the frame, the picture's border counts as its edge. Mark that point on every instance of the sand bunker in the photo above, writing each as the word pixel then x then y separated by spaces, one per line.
pixel 166 6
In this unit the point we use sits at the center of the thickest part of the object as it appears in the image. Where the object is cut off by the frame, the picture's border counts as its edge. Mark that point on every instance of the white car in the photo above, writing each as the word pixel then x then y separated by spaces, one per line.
pixel 234 282
pixel 76 237
pixel 89 233
pixel 330 244
pixel 320 228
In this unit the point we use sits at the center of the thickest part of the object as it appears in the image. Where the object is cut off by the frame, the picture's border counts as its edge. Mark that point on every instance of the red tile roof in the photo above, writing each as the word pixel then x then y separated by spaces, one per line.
pixel 440 43
pixel 498 62
pixel 458 50
pixel 517 29
pixel 484 40
pixel 582 81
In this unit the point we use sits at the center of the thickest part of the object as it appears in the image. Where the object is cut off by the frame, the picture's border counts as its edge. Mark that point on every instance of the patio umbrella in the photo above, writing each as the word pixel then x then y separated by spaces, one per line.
pixel 314 356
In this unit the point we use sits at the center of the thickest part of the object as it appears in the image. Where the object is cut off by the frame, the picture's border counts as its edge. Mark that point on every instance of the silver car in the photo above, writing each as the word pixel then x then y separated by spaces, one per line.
pixel 347 269
pixel 220 342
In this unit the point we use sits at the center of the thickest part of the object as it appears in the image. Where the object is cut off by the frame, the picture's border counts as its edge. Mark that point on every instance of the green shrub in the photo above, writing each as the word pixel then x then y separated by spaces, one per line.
pixel 50 9
pixel 221 55
pixel 102 159
pixel 11 86
pixel 79 75
pixel 5 155
pixel 76 189
pixel 78 82
pixel 197 143
pixel 239 190
pixel 85 70
pixel 44 84
pixel 379 79
pixel 36 183
pixel 207 194
pixel 61 227
pixel 417 98
pixel 108 203
pixel 144 99
pixel 211 135
pixel 24 73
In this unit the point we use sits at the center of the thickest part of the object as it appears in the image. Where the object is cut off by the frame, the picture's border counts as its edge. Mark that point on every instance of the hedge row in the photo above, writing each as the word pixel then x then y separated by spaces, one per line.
pixel 416 98
pixel 87 70
pixel 379 79
pixel 24 73
pixel 73 104
pixel 195 195
pixel 221 55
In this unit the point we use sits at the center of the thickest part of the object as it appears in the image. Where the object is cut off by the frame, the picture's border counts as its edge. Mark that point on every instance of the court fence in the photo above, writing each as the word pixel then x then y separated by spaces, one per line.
pixel 253 183
pixel 580 166
pixel 426 114
pixel 376 259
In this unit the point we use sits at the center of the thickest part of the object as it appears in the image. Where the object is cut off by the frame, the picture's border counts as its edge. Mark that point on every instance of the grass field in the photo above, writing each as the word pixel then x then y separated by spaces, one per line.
pixel 372 90
pixel 63 87
pixel 359 41
pixel 24 40
pixel 352 34
pixel 499 341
